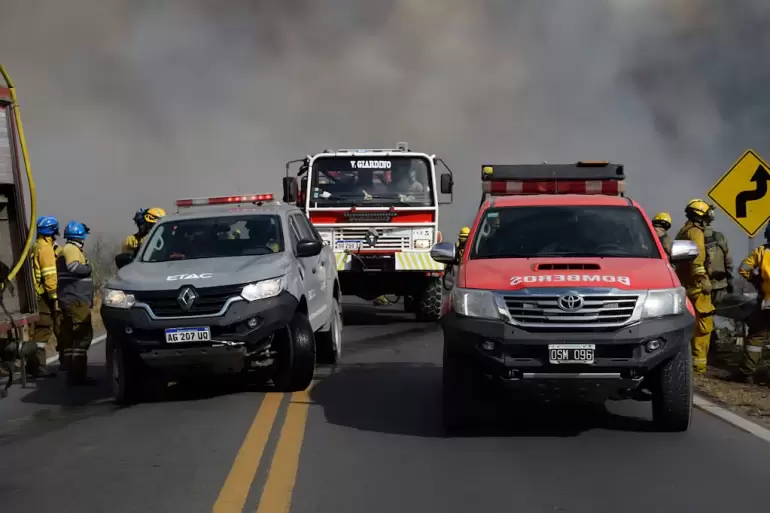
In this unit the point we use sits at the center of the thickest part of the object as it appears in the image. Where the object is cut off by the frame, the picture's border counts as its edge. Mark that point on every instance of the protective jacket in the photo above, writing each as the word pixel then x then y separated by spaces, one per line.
pixel 758 260
pixel 132 243
pixel 75 282
pixel 693 275
pixel 44 267
pixel 719 261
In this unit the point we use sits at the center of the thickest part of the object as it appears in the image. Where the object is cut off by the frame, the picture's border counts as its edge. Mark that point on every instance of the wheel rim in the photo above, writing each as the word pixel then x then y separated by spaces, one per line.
pixel 337 332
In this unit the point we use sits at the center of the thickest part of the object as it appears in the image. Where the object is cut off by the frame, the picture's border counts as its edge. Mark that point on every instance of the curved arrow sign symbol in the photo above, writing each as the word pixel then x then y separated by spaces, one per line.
pixel 761 177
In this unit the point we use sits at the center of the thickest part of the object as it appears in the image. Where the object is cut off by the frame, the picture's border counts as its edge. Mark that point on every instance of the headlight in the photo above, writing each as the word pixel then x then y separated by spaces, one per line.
pixel 661 303
pixel 476 303
pixel 422 244
pixel 118 299
pixel 262 289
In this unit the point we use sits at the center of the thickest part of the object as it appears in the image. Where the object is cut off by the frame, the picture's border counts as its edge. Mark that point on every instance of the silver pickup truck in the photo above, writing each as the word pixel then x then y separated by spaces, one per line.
pixel 242 285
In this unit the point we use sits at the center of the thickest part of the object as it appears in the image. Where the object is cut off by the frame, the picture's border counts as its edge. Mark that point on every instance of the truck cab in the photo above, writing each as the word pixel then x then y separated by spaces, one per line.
pixel 378 210
pixel 563 286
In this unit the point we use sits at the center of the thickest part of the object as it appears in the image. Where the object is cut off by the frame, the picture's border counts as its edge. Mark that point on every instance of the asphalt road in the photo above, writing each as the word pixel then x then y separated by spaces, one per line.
pixel 365 438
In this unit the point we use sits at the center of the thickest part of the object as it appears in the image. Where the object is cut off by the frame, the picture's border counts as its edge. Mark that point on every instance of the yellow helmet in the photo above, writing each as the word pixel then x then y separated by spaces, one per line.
pixel 663 219
pixel 153 214
pixel 464 232
pixel 698 208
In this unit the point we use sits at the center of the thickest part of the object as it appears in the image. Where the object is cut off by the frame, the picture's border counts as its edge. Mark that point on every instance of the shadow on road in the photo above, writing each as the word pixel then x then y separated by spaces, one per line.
pixel 363 314
pixel 405 399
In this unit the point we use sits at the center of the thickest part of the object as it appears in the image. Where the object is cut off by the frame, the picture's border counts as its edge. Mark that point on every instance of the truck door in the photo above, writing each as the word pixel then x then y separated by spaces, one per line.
pixel 314 271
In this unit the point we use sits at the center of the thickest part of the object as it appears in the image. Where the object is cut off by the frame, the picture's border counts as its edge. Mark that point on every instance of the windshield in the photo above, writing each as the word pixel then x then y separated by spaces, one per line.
pixel 374 181
pixel 215 237
pixel 569 231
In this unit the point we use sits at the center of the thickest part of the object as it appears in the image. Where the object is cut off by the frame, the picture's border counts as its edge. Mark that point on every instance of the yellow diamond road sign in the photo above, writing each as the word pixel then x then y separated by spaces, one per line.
pixel 743 193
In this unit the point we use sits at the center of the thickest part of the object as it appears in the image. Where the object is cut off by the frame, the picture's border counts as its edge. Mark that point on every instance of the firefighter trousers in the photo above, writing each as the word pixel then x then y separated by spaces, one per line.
pixel 759 333
pixel 704 326
pixel 77 333
pixel 49 322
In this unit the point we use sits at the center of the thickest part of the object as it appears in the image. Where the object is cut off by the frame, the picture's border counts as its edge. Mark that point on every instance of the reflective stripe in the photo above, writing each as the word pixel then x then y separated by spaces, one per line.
pixel 47 270
pixel 41 345
pixel 72 266
pixel 746 267
pixel 700 360
pixel 699 270
pixel 753 349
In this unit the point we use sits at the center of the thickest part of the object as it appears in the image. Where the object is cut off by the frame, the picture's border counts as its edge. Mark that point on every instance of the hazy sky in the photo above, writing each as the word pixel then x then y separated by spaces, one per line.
pixel 132 104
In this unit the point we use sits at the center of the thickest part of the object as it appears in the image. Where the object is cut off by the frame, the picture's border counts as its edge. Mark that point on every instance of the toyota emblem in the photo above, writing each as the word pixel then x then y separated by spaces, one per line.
pixel 570 302
pixel 186 298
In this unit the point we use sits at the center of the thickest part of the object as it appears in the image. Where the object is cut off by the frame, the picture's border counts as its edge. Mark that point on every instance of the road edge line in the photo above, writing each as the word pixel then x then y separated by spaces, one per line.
pixel 94 341
pixel 731 418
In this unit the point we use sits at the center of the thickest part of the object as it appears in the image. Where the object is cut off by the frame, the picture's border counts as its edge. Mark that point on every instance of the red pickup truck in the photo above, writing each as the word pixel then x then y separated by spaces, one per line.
pixel 563 287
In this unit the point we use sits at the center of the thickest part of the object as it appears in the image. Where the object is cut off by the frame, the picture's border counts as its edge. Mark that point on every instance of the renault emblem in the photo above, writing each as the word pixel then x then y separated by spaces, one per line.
pixel 186 298
pixel 371 237
pixel 570 302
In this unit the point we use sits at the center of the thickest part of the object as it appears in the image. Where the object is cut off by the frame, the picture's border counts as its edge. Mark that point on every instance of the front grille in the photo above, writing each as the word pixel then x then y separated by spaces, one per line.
pixel 542 311
pixel 398 239
pixel 210 301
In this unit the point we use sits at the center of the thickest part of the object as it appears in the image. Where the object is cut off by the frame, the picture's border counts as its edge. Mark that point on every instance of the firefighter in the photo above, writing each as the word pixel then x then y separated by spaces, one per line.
pixel 148 219
pixel 695 279
pixel 756 269
pixel 719 262
pixel 76 296
pixel 462 238
pixel 662 224
pixel 44 269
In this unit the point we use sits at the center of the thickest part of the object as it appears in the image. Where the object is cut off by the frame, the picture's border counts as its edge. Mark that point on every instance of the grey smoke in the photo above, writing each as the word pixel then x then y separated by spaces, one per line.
pixel 136 103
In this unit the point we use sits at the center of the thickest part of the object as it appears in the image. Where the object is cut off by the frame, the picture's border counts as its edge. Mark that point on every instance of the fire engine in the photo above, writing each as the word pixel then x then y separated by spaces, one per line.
pixel 378 209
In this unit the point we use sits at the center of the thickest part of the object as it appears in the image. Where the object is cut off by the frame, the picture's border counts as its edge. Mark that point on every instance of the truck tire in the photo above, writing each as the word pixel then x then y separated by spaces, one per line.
pixel 126 374
pixel 429 307
pixel 296 355
pixel 672 393
pixel 461 392
pixel 329 343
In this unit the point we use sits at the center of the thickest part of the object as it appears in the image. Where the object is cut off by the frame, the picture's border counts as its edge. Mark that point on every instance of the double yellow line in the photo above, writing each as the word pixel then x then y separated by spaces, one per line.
pixel 282 474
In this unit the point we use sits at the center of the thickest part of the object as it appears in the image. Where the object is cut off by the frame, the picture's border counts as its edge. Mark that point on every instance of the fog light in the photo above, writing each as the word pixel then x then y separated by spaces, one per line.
pixel 653 345
pixel 253 322
pixel 129 330
pixel 488 345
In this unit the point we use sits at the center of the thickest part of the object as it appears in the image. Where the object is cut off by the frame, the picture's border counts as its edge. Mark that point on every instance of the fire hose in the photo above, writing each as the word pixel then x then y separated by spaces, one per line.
pixel 31 232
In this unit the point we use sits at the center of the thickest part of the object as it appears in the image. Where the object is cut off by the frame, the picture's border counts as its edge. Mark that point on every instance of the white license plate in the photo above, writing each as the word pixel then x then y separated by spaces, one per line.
pixel 349 245
pixel 179 335
pixel 571 353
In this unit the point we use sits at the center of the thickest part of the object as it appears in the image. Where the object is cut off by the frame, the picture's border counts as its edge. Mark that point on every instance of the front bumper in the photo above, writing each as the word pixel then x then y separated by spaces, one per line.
pixel 232 339
pixel 519 357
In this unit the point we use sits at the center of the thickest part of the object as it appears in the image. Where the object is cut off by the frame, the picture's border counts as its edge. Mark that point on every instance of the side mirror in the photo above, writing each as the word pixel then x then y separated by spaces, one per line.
pixel 289 189
pixel 444 253
pixel 123 259
pixel 446 183
pixel 683 251
pixel 309 248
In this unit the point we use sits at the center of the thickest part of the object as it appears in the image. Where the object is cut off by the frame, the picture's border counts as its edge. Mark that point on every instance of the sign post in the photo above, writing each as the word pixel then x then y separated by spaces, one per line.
pixel 742 193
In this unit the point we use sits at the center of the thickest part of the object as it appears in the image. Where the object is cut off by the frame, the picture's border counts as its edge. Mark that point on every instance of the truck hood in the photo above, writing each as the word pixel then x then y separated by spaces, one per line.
pixel 520 273
pixel 208 272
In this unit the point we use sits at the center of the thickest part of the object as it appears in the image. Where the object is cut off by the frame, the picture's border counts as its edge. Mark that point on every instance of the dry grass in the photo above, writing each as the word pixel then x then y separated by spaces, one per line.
pixel 750 401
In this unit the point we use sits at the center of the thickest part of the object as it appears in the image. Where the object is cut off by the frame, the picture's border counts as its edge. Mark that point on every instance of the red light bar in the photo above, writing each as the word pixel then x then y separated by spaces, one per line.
pixel 517 187
pixel 224 200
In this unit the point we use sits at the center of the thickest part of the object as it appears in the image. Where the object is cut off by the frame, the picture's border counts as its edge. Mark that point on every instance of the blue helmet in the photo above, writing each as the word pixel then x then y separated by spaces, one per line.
pixel 76 231
pixel 139 217
pixel 47 225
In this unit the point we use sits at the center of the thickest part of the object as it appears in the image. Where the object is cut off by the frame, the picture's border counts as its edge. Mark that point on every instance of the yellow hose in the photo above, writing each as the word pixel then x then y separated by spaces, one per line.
pixel 30 179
